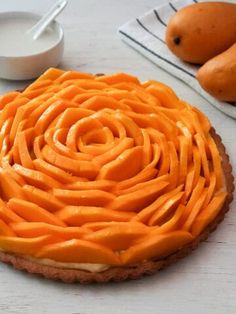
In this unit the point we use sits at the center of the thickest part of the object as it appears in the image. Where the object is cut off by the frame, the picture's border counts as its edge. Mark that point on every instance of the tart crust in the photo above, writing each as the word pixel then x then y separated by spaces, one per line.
pixel 132 271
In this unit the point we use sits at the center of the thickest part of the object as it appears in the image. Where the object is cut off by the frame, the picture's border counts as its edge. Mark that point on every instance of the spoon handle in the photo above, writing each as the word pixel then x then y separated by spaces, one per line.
pixel 39 27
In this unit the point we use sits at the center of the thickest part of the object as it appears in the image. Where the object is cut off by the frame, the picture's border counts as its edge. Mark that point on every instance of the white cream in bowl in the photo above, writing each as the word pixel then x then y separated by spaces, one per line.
pixel 22 57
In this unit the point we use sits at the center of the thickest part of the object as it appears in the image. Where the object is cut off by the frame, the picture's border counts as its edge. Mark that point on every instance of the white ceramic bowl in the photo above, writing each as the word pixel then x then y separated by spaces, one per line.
pixel 30 66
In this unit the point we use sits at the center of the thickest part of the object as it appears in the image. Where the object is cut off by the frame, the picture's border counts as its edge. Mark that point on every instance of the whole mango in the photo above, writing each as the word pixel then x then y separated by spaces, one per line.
pixel 200 31
pixel 218 75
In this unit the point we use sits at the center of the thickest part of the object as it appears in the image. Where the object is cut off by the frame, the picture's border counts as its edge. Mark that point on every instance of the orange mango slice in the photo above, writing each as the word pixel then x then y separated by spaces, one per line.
pixel 51 74
pixel 79 251
pixel 147 174
pixel 208 214
pixel 25 246
pixel 84 197
pixel 49 115
pixel 31 212
pixel 210 190
pixel 6 98
pixel 42 198
pixel 37 229
pixel 157 246
pixel 104 185
pixel 183 159
pixel 10 109
pixel 81 168
pixel 79 215
pixel 166 99
pixel 118 237
pixel 140 186
pixel 24 155
pixel 216 159
pixel 70 75
pixel 5 230
pixel 112 154
pixel 174 166
pixel 10 188
pixel 125 166
pixel 165 209
pixel 97 103
pixel 137 200
pixel 195 210
pixel 115 78
pixel 145 214
pixel 173 223
pixel 53 171
pixel 8 216
pixel 196 193
pixel 71 115
pixel 202 151
pixel 36 178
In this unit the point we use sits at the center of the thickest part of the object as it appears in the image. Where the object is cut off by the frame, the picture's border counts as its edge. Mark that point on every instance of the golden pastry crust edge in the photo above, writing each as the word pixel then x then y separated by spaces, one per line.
pixel 134 271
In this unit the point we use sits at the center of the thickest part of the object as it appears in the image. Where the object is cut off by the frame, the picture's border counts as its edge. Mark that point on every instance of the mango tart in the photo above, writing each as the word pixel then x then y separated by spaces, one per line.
pixel 105 177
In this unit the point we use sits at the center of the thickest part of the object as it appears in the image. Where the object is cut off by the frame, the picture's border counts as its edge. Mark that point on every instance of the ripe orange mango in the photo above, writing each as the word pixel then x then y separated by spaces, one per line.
pixel 200 31
pixel 218 75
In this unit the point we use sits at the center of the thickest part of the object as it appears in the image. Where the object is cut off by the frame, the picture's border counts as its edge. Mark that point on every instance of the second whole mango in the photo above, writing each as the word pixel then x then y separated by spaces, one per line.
pixel 218 75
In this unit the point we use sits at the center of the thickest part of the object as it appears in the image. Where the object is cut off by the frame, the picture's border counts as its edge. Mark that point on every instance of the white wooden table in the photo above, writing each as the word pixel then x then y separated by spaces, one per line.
pixel 204 282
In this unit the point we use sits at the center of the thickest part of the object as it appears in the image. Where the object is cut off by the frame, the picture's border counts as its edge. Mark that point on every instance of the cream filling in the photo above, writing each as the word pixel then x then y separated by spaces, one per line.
pixel 93 268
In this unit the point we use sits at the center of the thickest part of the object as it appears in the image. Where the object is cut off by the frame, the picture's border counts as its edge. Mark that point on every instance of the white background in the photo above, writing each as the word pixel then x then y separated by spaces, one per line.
pixel 204 282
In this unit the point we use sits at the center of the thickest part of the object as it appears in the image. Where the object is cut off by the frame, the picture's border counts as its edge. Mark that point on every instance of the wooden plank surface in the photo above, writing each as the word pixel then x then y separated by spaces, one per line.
pixel 204 282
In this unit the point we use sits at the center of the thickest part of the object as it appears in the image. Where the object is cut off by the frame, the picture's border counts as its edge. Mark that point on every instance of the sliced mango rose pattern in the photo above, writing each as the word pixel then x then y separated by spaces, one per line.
pixel 104 169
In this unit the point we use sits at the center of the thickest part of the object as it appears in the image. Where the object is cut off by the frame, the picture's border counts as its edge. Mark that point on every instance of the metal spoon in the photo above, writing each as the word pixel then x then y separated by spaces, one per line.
pixel 42 24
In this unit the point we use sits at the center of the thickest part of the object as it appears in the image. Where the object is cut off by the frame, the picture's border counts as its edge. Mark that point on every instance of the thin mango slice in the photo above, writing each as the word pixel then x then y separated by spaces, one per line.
pixel 95 226
pixel 157 246
pixel 208 214
pixel 10 188
pixel 81 168
pixel 173 223
pixel 137 200
pixel 112 154
pixel 118 237
pixel 196 193
pixel 146 213
pixel 174 166
pixel 8 97
pixel 84 197
pixel 55 172
pixel 25 246
pixel 202 151
pixel 42 198
pixel 5 230
pixel 31 212
pixel 165 209
pixel 216 159
pixel 8 216
pixel 195 210
pixel 104 185
pixel 49 115
pixel 115 78
pixel 79 251
pixel 183 159
pixel 79 215
pixel 37 229
pixel 36 178
pixel 140 186
pixel 127 165
pixel 24 154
